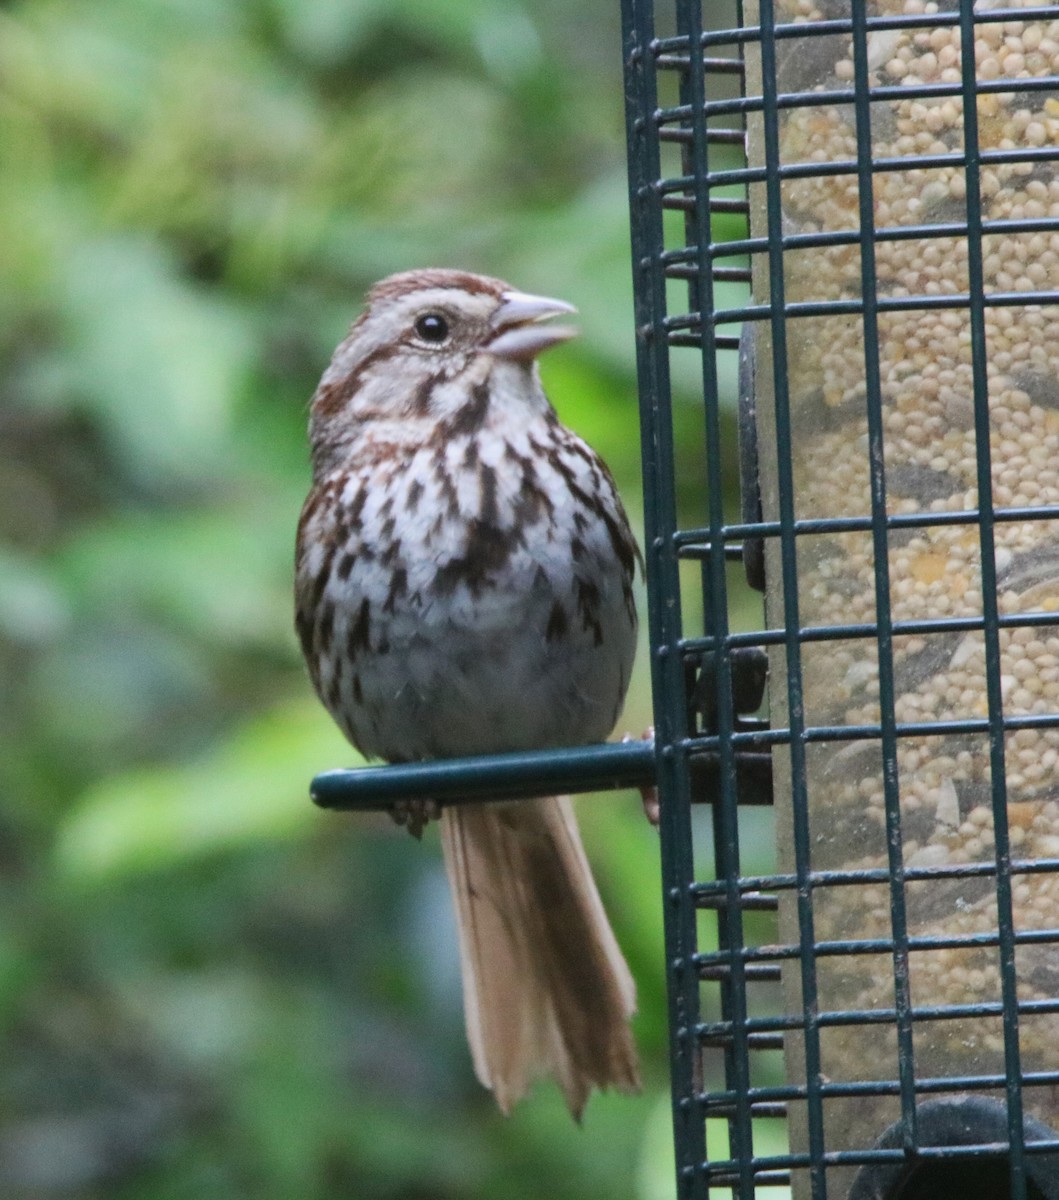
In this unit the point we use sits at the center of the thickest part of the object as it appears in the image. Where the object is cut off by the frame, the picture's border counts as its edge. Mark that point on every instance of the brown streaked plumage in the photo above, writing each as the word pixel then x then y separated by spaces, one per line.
pixel 464 577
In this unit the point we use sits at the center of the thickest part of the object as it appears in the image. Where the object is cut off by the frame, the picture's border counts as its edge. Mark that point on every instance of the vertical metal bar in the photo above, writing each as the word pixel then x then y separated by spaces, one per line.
pixel 983 458
pixel 664 613
pixel 880 547
pixel 725 807
pixel 791 621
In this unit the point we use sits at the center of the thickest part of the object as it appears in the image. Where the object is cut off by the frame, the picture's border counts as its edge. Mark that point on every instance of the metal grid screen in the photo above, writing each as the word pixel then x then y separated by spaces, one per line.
pixel 871 190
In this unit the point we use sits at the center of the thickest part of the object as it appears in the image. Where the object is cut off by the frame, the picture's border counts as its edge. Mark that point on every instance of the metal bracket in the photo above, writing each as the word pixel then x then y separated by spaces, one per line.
pixel 753 768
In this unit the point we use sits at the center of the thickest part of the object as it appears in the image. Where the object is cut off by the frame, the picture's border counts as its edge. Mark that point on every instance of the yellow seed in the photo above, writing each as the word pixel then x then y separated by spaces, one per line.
pixel 930 568
pixel 1021 814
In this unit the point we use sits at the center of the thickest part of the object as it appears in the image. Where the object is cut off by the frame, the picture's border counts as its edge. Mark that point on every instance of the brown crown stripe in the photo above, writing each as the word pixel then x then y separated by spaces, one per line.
pixel 407 282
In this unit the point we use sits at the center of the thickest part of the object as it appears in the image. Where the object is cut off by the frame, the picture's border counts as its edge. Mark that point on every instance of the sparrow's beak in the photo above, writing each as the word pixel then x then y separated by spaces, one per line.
pixel 519 334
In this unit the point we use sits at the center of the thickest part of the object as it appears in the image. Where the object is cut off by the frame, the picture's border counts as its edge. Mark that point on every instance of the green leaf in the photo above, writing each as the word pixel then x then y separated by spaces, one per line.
pixel 161 362
pixel 250 788
pixel 33 607
pixel 222 573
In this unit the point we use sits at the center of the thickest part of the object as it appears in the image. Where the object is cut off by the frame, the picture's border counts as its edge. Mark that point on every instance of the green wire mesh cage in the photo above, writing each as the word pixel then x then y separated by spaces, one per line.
pixel 876 1011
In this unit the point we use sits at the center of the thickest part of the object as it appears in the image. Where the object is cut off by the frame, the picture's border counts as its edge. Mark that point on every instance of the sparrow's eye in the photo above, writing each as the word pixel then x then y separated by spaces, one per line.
pixel 432 327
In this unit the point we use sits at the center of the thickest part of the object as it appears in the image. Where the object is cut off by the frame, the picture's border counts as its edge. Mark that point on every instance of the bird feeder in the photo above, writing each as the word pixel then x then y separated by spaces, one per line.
pixel 898 163
pixel 845 224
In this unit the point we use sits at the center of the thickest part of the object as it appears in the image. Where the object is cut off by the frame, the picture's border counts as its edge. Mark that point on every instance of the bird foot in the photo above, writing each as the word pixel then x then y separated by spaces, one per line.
pixel 415 815
pixel 648 793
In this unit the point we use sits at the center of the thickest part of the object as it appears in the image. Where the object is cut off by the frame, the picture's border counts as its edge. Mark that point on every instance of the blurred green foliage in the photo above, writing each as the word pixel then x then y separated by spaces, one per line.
pixel 208 988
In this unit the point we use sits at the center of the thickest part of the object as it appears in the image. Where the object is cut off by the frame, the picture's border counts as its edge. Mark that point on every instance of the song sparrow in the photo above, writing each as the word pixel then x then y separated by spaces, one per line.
pixel 464 586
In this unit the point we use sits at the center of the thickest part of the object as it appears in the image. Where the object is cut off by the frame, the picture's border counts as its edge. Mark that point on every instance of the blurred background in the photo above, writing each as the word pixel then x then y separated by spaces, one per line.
pixel 208 988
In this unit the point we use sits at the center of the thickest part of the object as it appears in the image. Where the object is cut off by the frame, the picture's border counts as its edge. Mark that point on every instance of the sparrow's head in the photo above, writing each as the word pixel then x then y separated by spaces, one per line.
pixel 446 315
pixel 427 345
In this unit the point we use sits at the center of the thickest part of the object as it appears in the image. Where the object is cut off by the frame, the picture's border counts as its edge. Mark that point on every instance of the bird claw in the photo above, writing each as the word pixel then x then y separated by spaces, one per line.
pixel 649 796
pixel 415 815
pixel 648 793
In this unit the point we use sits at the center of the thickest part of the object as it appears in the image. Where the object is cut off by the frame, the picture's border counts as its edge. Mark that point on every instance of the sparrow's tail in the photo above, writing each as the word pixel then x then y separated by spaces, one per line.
pixel 546 989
